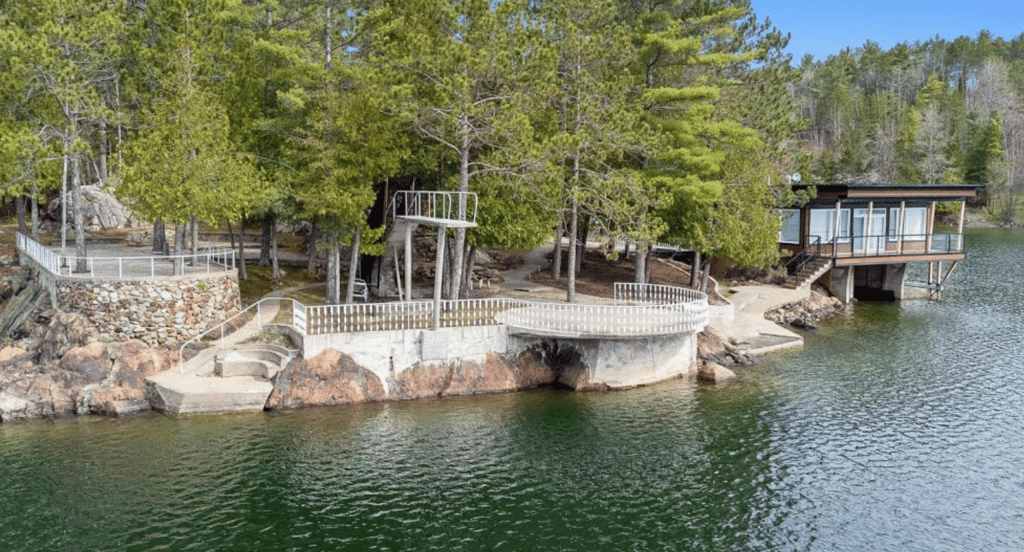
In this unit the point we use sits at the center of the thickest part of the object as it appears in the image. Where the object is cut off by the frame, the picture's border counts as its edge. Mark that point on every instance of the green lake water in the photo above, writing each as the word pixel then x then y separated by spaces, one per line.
pixel 900 427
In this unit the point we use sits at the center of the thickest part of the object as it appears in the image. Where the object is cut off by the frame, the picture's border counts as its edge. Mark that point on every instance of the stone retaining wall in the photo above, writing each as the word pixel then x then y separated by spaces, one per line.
pixel 155 310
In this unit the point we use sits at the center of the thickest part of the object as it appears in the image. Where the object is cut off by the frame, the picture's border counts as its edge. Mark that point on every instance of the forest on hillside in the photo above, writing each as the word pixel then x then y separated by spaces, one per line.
pixel 924 112
pixel 642 120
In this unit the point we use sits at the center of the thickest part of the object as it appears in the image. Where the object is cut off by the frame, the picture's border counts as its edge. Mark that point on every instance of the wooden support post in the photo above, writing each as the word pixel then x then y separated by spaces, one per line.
pixel 929 227
pixel 835 229
pixel 867 230
pixel 408 261
pixel 900 223
pixel 960 226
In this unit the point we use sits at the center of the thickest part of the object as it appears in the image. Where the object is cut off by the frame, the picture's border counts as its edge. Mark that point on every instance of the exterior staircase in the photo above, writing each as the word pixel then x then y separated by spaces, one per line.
pixel 808 273
pixel 238 380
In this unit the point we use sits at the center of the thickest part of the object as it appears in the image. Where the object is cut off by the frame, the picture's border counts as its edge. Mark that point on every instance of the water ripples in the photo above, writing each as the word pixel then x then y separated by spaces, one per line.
pixel 898 428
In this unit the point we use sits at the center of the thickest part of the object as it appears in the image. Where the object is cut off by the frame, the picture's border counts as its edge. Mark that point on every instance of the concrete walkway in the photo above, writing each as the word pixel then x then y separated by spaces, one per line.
pixel 750 330
pixel 194 388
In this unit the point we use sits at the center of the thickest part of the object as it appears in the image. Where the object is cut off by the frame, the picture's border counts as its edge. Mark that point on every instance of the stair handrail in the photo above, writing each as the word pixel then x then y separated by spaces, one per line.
pixel 220 342
pixel 804 257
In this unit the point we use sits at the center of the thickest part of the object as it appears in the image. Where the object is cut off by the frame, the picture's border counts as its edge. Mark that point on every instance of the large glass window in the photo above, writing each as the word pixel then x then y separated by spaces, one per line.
pixel 914 223
pixel 823 225
pixel 894 224
pixel 790 230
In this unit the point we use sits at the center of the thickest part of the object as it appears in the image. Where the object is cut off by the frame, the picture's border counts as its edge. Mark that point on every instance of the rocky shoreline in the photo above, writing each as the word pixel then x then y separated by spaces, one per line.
pixel 803 314
pixel 57 364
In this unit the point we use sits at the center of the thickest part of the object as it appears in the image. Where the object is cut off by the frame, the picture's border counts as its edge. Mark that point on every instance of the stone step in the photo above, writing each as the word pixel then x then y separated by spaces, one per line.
pixel 189 394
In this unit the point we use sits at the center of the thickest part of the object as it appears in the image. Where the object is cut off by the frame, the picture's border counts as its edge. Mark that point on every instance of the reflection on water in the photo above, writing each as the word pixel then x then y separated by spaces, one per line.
pixel 897 428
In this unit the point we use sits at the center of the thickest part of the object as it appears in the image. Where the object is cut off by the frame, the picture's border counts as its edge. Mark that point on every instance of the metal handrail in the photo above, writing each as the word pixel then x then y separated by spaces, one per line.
pixel 804 257
pixel 220 342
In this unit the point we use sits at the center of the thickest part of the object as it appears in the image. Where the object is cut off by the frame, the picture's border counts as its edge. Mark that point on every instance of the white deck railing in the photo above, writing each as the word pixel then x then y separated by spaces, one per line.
pixel 640 309
pixel 434 205
pixel 416 315
pixel 131 267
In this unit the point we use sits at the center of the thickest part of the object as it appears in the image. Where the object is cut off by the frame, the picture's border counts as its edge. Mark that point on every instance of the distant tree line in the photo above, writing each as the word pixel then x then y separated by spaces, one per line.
pixel 925 112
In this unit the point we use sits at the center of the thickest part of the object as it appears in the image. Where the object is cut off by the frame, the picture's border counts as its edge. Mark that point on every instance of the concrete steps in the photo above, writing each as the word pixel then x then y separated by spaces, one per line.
pixel 238 380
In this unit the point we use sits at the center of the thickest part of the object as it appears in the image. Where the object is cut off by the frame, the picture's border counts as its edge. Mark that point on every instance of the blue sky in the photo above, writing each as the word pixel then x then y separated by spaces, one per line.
pixel 824 27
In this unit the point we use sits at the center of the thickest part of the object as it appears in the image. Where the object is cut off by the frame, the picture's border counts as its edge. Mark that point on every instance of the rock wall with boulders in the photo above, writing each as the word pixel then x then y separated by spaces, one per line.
pixel 154 311
pixel 58 368
pixel 334 378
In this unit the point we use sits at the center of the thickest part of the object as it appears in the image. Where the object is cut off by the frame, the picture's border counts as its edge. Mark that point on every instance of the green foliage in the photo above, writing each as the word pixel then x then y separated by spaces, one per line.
pixel 182 164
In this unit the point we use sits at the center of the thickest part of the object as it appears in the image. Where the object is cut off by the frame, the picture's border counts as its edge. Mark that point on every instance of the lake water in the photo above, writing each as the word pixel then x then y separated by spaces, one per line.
pixel 899 427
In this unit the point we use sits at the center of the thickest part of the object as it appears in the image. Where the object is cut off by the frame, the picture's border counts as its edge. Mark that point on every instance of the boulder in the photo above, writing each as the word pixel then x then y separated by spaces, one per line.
pixel 802 314
pixel 12 355
pixel 14 408
pixel 53 393
pixel 421 381
pixel 118 401
pixel 64 332
pixel 712 372
pixel 494 375
pixel 100 210
pixel 711 347
pixel 330 378
pixel 91 362
pixel 134 361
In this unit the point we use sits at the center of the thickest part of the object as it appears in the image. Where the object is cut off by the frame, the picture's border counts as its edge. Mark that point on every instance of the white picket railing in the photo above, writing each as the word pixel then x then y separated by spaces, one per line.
pixel 640 309
pixel 628 292
pixel 128 268
pixel 416 315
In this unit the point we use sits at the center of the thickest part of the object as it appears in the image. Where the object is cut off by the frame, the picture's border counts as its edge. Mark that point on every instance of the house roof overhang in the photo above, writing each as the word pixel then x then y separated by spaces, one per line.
pixel 890 192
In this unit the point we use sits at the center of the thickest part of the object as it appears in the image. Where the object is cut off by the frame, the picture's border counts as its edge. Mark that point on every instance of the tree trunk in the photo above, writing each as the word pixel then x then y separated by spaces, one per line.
pixel 570 294
pixel 584 235
pixel 35 213
pixel 19 208
pixel 194 241
pixel 231 234
pixel 556 254
pixel 242 274
pixel 449 267
pixel 314 235
pixel 695 270
pixel 460 233
pixel 265 241
pixel 104 151
pixel 333 269
pixel 705 273
pixel 467 280
pixel 640 262
pixel 275 267
pixel 160 237
pixel 353 265
pixel 179 249
pixel 82 265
